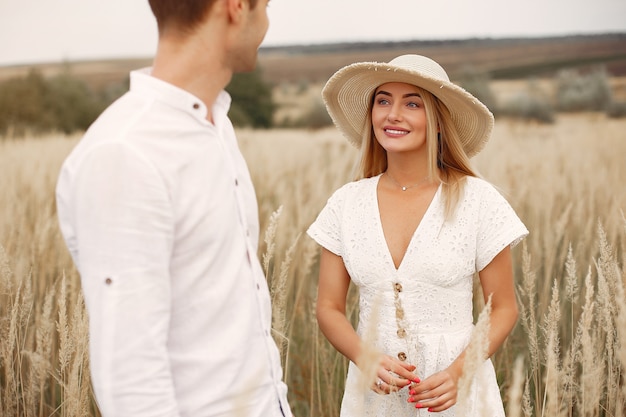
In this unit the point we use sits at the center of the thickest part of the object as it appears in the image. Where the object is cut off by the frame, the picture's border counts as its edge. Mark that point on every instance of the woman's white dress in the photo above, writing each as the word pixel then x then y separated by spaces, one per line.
pixel 433 285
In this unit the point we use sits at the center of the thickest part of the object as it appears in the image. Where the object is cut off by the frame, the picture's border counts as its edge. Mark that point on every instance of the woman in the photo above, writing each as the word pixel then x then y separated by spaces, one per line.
pixel 411 233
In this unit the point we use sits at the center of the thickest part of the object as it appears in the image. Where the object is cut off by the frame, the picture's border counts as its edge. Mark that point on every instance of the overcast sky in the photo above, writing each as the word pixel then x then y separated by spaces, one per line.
pixel 56 30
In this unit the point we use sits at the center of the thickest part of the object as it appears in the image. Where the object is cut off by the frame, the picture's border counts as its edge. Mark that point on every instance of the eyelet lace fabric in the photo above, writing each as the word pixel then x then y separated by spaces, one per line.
pixel 420 312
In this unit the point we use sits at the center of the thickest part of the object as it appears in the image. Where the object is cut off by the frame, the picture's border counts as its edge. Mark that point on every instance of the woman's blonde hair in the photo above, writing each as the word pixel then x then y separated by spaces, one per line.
pixel 447 161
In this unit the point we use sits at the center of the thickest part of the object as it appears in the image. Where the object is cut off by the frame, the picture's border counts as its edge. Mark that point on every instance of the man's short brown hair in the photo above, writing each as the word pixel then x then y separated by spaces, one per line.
pixel 182 14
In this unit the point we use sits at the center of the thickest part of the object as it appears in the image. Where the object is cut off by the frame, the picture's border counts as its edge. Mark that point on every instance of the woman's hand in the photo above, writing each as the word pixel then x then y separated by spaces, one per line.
pixel 438 392
pixel 393 375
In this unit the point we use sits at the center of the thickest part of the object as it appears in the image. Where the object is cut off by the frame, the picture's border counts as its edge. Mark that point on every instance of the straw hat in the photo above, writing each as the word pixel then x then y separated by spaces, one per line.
pixel 348 94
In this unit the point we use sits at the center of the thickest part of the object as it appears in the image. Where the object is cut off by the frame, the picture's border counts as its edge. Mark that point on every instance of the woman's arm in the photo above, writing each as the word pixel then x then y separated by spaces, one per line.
pixel 439 391
pixel 334 282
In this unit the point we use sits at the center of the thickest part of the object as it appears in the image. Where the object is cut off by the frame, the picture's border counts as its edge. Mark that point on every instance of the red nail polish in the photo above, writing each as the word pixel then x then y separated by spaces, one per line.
pixel 411 392
pixel 411 399
pixel 418 405
pixel 430 410
pixel 416 380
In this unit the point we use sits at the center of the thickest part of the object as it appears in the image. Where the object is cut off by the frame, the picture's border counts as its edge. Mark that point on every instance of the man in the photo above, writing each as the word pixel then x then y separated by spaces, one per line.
pixel 159 213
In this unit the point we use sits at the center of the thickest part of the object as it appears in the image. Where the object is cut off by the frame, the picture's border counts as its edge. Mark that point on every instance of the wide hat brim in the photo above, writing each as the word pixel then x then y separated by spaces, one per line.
pixel 348 94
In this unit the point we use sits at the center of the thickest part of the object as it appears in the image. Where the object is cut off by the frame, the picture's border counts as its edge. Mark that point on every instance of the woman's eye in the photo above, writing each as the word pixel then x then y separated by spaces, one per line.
pixel 383 101
pixel 413 104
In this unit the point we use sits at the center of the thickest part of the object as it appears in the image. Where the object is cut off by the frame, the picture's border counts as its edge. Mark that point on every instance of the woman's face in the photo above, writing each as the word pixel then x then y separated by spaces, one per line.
pixel 399 118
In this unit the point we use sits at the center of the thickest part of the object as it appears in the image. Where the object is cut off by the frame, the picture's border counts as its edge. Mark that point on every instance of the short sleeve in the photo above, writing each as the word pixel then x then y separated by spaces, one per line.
pixel 326 229
pixel 498 226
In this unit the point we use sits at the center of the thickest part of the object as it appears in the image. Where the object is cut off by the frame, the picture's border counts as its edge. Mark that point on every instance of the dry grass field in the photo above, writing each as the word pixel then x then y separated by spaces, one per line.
pixel 566 357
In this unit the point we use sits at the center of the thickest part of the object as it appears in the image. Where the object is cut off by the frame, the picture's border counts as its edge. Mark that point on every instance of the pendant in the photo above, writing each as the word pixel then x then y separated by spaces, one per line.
pixel 403 188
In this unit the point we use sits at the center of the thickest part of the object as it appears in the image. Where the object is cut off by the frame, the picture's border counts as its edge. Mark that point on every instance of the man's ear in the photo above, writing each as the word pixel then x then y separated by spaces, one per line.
pixel 236 9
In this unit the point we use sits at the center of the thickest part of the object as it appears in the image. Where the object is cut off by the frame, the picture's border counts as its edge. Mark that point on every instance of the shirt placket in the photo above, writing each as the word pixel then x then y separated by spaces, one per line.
pixel 257 273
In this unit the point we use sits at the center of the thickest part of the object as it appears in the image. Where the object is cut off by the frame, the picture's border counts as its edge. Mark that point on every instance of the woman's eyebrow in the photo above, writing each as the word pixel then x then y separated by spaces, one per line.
pixel 385 93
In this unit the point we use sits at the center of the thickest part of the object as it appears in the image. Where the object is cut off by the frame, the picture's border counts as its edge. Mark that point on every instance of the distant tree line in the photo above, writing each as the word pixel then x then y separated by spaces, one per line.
pixel 253 104
pixel 574 91
pixel 35 104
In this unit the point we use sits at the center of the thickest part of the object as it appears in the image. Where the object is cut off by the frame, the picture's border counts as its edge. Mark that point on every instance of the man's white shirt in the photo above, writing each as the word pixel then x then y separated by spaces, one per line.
pixel 159 213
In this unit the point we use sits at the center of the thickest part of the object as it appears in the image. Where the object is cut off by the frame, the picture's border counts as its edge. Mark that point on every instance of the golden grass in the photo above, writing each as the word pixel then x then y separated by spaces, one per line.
pixel 43 325
pixel 565 180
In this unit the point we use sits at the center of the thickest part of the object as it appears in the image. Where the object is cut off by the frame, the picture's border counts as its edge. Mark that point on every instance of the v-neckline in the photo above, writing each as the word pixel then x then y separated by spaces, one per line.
pixel 381 230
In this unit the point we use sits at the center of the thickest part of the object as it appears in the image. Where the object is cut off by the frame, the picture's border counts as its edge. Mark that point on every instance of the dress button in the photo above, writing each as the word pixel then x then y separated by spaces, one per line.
pixel 108 281
pixel 236 182
pixel 402 356
pixel 401 333
pixel 196 106
pixel 398 287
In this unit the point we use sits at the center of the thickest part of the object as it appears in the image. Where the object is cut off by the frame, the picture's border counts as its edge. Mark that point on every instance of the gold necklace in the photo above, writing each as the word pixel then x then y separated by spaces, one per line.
pixel 406 187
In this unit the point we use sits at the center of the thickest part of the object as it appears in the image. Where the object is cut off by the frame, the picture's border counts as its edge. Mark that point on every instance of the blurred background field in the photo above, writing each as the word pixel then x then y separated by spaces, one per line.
pixel 564 174
pixel 524 78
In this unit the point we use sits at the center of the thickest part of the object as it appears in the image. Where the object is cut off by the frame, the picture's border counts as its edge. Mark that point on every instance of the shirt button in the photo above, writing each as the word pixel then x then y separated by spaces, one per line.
pixel 401 333
pixel 258 287
pixel 402 356
pixel 398 287
pixel 196 106
pixel 108 281
pixel 236 182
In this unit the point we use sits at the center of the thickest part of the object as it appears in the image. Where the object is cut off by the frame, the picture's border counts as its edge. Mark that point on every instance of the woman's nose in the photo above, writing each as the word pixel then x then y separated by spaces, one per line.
pixel 394 114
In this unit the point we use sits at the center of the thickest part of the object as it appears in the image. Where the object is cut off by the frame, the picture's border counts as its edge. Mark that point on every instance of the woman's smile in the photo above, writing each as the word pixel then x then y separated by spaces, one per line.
pixel 396 131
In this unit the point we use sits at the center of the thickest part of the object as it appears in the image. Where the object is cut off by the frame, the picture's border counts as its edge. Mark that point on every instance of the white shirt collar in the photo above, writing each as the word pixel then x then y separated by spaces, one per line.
pixel 143 82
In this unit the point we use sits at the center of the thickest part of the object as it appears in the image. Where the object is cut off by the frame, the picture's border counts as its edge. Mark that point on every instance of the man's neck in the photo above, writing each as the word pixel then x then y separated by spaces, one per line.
pixel 194 66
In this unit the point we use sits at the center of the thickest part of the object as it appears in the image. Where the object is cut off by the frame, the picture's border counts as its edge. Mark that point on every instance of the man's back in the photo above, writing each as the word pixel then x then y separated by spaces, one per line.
pixel 159 212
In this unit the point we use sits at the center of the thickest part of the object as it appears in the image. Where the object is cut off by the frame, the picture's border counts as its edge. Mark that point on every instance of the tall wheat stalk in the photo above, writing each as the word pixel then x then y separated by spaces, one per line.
pixel 515 392
pixel 475 356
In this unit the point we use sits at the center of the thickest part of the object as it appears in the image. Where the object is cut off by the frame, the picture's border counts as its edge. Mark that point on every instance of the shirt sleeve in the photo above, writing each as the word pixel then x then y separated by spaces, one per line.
pixel 124 234
pixel 498 226
pixel 326 229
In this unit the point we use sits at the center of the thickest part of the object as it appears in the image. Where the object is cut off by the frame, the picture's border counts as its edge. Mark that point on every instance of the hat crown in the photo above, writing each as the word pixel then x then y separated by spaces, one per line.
pixel 420 64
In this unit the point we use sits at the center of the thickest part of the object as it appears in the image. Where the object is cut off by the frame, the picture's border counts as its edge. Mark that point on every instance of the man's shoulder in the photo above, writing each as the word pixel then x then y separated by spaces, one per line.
pixel 118 130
